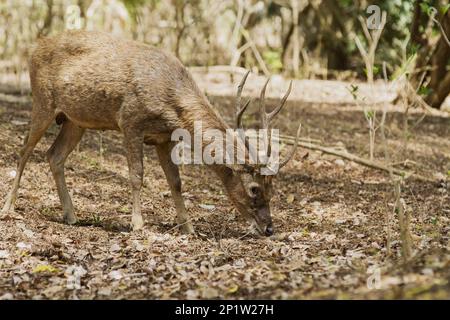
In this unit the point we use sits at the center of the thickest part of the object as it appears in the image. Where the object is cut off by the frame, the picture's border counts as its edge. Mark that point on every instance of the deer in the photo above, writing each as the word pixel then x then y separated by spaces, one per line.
pixel 93 80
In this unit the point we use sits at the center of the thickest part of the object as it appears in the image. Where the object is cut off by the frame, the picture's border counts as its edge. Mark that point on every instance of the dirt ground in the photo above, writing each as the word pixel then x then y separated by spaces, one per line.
pixel 331 218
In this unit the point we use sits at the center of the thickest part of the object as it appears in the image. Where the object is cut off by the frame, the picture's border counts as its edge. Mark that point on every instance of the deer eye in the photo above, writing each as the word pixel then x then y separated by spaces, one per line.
pixel 254 190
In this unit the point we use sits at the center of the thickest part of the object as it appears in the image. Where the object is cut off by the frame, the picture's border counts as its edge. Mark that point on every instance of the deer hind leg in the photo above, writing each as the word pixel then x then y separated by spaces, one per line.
pixel 40 121
pixel 173 178
pixel 68 138
pixel 134 147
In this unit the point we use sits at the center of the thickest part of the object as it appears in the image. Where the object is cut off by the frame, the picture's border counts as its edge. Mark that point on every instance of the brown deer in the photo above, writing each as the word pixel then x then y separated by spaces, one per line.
pixel 89 80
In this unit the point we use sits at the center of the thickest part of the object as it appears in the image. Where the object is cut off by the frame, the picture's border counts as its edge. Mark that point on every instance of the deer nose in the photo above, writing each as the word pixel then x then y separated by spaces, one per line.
pixel 269 231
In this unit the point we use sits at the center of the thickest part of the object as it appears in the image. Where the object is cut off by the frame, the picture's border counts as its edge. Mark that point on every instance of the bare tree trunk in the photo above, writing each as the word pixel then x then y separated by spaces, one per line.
pixel 84 5
pixel 48 20
pixel 440 76
pixel 295 37
pixel 181 26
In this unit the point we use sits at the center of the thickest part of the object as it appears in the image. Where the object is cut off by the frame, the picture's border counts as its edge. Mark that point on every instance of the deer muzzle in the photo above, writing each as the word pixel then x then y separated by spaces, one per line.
pixel 264 222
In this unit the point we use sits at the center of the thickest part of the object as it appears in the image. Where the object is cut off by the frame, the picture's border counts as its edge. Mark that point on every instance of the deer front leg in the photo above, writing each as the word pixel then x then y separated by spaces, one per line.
pixel 133 146
pixel 173 178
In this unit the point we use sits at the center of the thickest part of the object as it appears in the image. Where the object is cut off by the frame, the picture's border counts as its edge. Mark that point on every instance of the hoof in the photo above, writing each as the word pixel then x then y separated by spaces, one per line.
pixel 137 223
pixel 70 220
pixel 187 228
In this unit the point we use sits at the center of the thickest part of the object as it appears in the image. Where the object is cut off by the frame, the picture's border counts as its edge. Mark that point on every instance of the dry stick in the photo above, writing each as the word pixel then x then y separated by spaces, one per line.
pixel 369 60
pixel 235 34
pixel 356 159
pixel 258 56
pixel 179 225
pixel 296 37
pixel 433 13
pixel 387 159
pixel 238 53
pixel 372 41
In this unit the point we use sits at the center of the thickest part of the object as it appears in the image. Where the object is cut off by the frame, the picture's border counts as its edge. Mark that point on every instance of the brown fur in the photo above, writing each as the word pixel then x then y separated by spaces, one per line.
pixel 90 80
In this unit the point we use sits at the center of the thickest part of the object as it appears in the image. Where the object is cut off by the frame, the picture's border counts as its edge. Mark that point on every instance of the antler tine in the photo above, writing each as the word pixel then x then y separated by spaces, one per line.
pixel 240 111
pixel 262 107
pixel 271 115
pixel 294 148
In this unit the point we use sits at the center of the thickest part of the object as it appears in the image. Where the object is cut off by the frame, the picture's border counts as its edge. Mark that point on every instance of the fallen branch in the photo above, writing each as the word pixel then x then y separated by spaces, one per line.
pixel 366 162
pixel 219 68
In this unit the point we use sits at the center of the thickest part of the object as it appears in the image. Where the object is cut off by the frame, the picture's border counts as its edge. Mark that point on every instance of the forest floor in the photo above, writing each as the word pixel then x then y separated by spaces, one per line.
pixel 331 218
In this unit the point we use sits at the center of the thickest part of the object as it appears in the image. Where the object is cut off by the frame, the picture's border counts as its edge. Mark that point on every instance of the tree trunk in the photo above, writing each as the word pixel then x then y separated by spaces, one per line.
pixel 295 38
pixel 48 20
pixel 440 76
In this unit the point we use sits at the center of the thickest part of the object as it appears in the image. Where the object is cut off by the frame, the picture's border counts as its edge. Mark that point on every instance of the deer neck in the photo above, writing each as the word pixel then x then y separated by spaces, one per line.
pixel 199 120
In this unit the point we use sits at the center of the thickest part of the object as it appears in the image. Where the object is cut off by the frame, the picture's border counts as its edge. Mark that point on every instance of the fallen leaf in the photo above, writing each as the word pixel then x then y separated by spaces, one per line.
pixel 114 248
pixel 234 288
pixel 290 198
pixel 207 206
pixel 104 291
pixel 7 296
pixel 210 293
pixel 116 275
pixel 23 245
pixel 51 291
pixel 4 254
pixel 12 174
pixel 44 268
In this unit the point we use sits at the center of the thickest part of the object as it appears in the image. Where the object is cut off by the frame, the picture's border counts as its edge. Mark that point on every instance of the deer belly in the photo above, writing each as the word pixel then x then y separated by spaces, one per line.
pixel 90 116
pixel 90 109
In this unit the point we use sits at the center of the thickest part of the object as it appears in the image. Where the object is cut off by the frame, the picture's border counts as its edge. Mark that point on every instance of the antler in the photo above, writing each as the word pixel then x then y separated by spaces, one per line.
pixel 266 119
pixel 240 110
pixel 294 148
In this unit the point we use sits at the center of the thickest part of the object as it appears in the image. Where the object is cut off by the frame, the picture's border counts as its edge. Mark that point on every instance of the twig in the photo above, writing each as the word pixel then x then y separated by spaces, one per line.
pixel 359 160
pixel 106 178
pixel 178 225
pixel 432 14
pixel 258 56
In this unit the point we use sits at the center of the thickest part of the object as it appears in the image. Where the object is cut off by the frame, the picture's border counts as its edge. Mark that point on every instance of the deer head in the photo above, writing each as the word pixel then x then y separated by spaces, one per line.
pixel 249 189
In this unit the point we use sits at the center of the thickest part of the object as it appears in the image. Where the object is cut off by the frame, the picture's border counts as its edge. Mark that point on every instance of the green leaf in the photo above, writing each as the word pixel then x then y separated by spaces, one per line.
pixel 445 8
pixel 376 70
pixel 353 91
pixel 424 7
pixel 233 289
pixel 369 114
pixel 42 268
pixel 273 60
pixel 424 91
pixel 434 220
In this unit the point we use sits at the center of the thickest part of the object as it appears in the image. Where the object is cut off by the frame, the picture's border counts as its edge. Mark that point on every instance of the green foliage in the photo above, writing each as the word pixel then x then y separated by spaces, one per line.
pixel 406 67
pixel 445 9
pixel 369 114
pixel 424 91
pixel 399 18
pixel 353 91
pixel 134 5
pixel 425 7
pixel 273 60
pixel 376 70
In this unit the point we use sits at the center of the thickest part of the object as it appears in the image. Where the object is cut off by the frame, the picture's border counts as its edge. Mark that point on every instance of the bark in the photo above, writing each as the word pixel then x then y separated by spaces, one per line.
pixel 48 20
pixel 296 37
pixel 416 36
pixel 84 5
pixel 440 76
